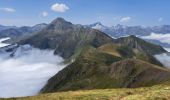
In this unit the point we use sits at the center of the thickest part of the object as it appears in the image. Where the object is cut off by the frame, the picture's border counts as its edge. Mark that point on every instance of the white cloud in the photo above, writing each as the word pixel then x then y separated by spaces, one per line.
pixel 164 59
pixel 125 19
pixel 44 14
pixel 160 19
pixel 164 38
pixel 7 10
pixel 27 71
pixel 59 7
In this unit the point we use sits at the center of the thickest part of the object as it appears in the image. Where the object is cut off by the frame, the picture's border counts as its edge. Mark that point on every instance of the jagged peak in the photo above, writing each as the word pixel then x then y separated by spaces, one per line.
pixel 59 23
pixel 59 20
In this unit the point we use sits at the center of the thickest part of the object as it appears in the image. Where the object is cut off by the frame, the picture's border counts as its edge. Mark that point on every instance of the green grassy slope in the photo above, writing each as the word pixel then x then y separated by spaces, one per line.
pixel 157 92
pixel 106 67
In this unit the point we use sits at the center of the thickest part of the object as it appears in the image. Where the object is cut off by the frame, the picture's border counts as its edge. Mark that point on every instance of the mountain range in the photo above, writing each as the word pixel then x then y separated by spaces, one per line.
pixel 95 60
pixel 152 33
pixel 123 30
pixel 16 33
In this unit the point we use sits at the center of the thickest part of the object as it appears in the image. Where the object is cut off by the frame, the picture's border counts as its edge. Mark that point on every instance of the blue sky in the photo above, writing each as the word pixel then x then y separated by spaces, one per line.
pixel 109 12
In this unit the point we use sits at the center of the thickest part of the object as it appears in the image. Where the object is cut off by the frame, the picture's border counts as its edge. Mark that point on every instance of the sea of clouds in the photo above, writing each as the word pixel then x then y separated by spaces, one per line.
pixel 164 38
pixel 164 59
pixel 27 71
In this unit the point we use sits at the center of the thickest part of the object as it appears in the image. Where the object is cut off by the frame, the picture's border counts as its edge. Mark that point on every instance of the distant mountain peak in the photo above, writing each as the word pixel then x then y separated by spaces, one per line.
pixel 60 24
pixel 97 25
pixel 59 20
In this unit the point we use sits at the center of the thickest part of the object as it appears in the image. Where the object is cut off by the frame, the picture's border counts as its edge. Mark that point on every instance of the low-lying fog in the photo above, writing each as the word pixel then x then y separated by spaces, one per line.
pixel 27 72
pixel 164 59
pixel 164 38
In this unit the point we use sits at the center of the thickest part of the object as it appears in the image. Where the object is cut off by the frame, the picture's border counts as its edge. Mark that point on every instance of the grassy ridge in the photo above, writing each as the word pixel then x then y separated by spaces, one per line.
pixel 106 67
pixel 157 92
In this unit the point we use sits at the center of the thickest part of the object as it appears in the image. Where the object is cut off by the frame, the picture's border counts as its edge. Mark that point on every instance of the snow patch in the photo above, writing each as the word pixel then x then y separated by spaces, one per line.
pixel 3 44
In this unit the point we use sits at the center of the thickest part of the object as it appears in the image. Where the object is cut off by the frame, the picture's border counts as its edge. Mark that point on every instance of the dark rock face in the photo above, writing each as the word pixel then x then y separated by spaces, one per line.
pixel 66 38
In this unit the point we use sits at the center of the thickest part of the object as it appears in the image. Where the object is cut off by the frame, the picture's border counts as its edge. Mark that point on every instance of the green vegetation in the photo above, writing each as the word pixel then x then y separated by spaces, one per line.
pixel 105 67
pixel 101 62
pixel 134 42
pixel 157 92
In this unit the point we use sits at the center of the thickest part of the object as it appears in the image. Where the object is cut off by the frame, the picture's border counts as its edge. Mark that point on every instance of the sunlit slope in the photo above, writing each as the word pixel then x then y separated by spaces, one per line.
pixel 158 92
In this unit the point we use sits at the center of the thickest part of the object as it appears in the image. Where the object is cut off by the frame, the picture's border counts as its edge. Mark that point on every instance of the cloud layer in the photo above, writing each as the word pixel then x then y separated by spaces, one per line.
pixel 59 7
pixel 164 59
pixel 164 38
pixel 27 72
